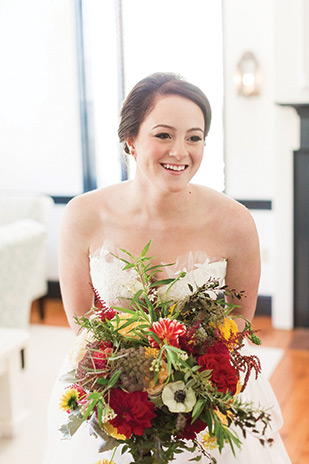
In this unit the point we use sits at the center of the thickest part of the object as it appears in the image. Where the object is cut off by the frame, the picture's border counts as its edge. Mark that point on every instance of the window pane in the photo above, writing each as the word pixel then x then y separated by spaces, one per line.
pixel 181 36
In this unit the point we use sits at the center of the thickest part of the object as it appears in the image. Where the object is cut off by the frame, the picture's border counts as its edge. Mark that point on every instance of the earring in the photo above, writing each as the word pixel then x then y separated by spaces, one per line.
pixel 132 150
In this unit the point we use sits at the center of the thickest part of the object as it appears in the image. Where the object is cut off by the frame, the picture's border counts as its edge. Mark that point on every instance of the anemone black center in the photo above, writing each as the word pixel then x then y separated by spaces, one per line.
pixel 180 396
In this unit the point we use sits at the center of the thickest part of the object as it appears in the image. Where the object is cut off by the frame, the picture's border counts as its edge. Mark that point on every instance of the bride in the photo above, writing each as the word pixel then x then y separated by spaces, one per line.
pixel 164 124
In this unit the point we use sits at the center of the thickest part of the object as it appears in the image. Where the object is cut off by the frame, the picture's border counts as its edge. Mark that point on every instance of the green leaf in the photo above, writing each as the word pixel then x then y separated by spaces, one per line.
pixel 127 253
pixel 136 296
pixel 158 283
pixel 71 426
pixel 124 310
pixel 128 266
pixel 102 381
pixel 208 417
pixel 121 259
pixel 69 377
pixel 155 337
pixel 114 379
pixel 198 409
pixel 145 250
pixel 90 408
pixel 157 267
pixel 100 408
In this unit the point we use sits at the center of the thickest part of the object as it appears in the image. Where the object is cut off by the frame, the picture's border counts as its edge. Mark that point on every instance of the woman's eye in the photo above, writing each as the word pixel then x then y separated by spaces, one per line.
pixel 195 138
pixel 163 135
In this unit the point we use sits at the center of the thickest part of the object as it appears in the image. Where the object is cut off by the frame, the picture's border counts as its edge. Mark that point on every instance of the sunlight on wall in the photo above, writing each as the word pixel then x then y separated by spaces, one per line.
pixel 180 36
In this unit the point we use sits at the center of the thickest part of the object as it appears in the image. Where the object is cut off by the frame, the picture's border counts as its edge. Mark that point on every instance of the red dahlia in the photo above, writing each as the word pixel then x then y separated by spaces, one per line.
pixel 168 330
pixel 191 430
pixel 223 376
pixel 134 412
pixel 218 348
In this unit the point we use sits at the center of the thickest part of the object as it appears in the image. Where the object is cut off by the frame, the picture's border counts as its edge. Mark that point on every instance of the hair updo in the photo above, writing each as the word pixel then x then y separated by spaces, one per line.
pixel 141 100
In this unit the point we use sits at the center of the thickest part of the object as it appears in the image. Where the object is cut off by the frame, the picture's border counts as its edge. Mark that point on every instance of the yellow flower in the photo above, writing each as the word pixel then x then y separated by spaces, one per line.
pixel 171 310
pixel 124 317
pixel 151 352
pixel 209 442
pixel 228 328
pixel 69 399
pixel 222 417
pixel 112 431
pixel 238 388
pixel 104 461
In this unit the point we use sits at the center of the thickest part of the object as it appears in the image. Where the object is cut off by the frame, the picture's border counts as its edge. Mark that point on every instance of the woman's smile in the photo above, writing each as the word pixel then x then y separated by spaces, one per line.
pixel 174 168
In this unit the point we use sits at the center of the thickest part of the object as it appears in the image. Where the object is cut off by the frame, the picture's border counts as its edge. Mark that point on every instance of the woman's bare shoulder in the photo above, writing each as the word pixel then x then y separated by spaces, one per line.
pixel 233 217
pixel 83 212
pixel 88 203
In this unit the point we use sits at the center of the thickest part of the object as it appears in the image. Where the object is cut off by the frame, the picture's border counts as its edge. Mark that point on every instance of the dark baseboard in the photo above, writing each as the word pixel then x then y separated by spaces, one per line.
pixel 263 307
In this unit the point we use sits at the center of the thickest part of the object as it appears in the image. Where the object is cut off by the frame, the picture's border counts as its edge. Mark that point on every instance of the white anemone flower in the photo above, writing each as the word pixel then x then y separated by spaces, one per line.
pixel 178 398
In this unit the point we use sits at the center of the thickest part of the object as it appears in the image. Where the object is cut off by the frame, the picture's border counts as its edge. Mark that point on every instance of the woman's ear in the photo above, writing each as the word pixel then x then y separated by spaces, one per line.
pixel 131 145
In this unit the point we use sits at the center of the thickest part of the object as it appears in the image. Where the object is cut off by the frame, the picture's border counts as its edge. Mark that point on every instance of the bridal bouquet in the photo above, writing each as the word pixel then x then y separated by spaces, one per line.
pixel 159 376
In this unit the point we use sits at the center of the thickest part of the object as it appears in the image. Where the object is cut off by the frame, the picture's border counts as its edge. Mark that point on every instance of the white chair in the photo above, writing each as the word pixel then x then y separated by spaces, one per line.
pixel 24 221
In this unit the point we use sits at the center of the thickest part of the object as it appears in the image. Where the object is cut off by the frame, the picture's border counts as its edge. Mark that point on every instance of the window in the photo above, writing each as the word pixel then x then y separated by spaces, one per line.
pixel 182 36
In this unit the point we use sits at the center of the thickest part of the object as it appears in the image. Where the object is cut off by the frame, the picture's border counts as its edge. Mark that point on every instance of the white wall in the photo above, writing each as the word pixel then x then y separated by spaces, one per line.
pixel 261 136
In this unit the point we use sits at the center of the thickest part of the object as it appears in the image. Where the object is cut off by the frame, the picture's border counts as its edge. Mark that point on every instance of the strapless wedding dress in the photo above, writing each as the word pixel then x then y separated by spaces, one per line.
pixel 113 284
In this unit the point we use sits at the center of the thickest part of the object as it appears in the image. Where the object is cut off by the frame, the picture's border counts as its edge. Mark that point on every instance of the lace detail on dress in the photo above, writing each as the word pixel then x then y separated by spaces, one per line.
pixel 113 284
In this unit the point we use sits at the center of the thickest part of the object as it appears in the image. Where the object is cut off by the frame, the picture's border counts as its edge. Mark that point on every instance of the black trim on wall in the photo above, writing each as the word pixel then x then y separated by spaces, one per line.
pixel 263 307
pixel 257 204
pixel 250 204
pixel 61 200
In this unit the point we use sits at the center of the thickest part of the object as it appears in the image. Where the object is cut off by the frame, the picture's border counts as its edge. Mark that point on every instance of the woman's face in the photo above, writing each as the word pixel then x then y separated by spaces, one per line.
pixel 170 143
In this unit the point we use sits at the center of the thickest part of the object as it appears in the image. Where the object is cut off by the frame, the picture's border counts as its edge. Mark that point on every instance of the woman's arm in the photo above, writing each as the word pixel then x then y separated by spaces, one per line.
pixel 74 272
pixel 243 266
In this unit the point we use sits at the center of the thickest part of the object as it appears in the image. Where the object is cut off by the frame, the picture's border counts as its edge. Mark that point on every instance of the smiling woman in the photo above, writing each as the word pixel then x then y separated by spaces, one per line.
pixel 161 207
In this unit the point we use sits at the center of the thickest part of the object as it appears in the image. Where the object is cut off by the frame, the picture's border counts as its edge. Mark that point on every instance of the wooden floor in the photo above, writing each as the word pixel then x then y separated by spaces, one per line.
pixel 290 380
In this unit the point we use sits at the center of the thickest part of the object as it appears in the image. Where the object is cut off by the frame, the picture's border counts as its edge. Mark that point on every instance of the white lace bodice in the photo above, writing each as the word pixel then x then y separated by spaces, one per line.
pixel 112 283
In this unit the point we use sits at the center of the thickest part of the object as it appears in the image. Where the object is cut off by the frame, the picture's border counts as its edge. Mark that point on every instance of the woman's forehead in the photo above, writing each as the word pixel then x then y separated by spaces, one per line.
pixel 175 107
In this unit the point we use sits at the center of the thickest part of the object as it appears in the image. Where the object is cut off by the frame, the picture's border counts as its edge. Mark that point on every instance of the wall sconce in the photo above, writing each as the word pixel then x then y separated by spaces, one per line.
pixel 248 76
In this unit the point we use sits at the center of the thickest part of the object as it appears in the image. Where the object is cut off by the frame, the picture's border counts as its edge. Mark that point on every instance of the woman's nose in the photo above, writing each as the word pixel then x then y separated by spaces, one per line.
pixel 178 150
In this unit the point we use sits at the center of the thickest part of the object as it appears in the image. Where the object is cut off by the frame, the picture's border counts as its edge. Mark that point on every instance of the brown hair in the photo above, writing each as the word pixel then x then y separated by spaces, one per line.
pixel 141 100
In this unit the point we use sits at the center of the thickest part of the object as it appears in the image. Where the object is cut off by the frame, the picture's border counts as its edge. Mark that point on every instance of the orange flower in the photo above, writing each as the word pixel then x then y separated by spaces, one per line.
pixel 155 389
pixel 126 331
pixel 167 330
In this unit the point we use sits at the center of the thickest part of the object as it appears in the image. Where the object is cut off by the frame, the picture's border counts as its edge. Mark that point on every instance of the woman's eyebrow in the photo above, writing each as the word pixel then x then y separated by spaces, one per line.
pixel 164 125
pixel 196 129
pixel 173 128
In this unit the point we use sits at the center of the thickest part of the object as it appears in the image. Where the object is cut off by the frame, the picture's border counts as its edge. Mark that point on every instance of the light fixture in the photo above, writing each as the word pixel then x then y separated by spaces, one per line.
pixel 248 76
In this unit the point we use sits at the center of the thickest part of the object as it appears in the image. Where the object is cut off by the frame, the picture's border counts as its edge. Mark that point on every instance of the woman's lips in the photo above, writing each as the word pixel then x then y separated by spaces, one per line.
pixel 174 167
